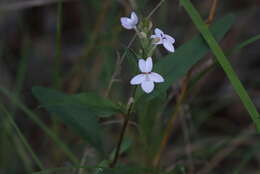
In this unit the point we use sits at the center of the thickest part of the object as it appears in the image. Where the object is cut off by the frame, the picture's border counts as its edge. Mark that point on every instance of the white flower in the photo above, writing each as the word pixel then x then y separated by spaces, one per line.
pixel 146 78
pixel 129 23
pixel 164 39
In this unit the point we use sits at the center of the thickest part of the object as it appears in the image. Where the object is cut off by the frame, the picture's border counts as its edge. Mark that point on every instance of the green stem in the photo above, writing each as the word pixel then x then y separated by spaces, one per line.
pixel 223 61
pixel 21 136
pixel 245 43
pixel 22 70
pixel 35 118
pixel 123 131
pixel 57 58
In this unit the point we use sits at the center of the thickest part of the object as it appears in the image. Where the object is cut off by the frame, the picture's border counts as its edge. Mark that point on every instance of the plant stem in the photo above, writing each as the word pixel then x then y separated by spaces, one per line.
pixel 41 125
pixel 111 82
pixel 121 138
pixel 57 58
pixel 170 126
pixel 223 61
pixel 123 130
pixel 21 136
pixel 212 12
pixel 181 97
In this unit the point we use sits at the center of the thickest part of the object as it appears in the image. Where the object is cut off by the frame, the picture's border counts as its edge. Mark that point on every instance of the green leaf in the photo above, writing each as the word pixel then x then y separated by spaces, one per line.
pixel 78 112
pixel 126 144
pixel 100 106
pixel 126 170
pixel 14 100
pixel 174 66
pixel 103 170
pixel 150 124
pixel 223 61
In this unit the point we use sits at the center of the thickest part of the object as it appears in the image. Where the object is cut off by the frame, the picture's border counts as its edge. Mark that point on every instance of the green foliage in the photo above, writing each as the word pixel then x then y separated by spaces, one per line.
pixel 35 118
pixel 246 43
pixel 102 170
pixel 99 105
pixel 126 144
pixel 175 65
pixel 223 61
pixel 148 113
pixel 80 112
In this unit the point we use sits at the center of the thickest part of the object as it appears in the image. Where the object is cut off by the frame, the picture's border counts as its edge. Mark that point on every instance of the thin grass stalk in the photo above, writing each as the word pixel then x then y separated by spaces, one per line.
pixel 223 61
pixel 180 99
pixel 22 70
pixel 57 58
pixel 22 138
pixel 22 152
pixel 46 130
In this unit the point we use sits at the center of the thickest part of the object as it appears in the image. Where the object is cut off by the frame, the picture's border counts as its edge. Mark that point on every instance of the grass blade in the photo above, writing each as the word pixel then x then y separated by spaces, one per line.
pixel 21 136
pixel 35 118
pixel 57 58
pixel 245 43
pixel 223 61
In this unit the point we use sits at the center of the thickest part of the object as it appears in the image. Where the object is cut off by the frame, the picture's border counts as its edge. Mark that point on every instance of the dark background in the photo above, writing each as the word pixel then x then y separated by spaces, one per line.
pixel 90 37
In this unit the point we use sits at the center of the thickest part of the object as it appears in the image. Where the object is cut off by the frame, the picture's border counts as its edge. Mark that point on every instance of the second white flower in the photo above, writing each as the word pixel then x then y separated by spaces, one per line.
pixel 166 40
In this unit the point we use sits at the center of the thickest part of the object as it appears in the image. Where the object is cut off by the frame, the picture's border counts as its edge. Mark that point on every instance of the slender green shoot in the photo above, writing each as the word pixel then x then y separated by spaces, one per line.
pixel 21 136
pixel 223 61
pixel 57 58
pixel 237 48
pixel 35 118
pixel 22 70
pixel 245 43
pixel 64 169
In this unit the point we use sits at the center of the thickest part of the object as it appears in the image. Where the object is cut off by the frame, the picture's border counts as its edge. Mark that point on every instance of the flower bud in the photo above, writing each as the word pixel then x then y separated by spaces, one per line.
pixel 143 35
pixel 150 25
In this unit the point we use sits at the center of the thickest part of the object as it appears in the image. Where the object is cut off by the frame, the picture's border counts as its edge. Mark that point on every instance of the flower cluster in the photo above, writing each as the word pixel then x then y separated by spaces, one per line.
pixel 147 78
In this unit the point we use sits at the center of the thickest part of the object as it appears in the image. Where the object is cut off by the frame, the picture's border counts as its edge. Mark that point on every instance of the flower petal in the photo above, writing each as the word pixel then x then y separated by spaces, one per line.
pixel 158 32
pixel 168 45
pixel 142 65
pixel 147 86
pixel 148 65
pixel 157 40
pixel 153 36
pixel 134 18
pixel 138 79
pixel 169 38
pixel 126 23
pixel 156 77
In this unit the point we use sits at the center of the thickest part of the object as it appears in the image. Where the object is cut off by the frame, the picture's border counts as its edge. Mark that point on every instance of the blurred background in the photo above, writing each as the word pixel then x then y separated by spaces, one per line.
pixel 72 45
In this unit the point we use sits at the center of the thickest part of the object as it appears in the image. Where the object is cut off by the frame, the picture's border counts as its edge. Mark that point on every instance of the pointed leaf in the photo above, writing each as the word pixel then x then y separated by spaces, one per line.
pixel 80 112
pixel 174 66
